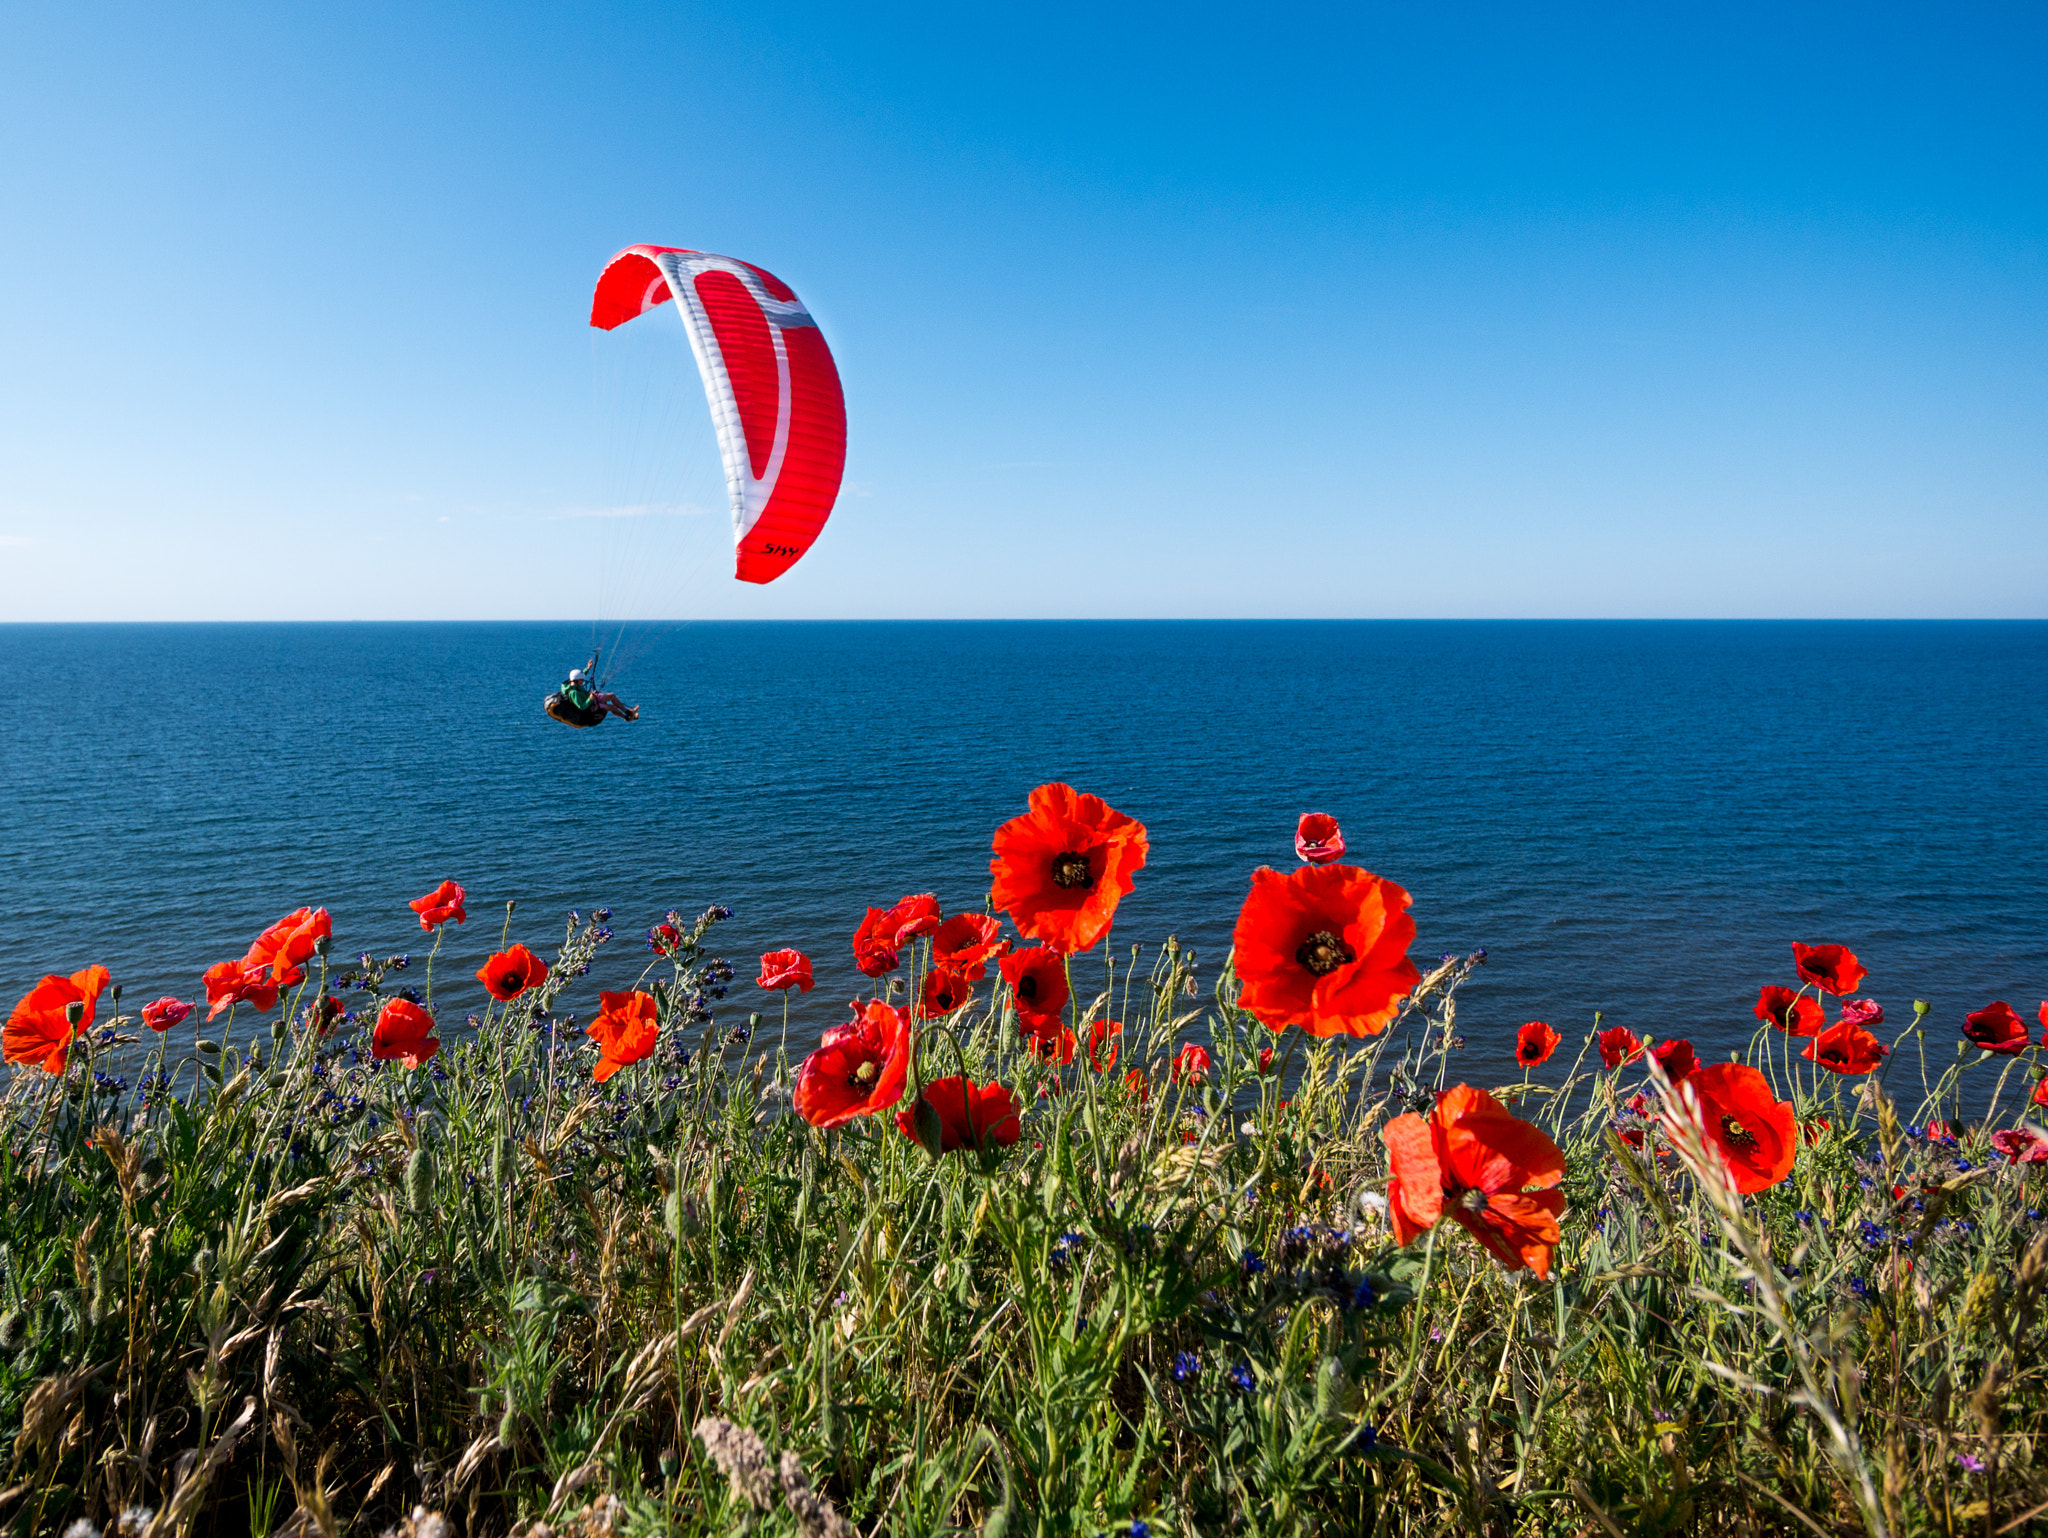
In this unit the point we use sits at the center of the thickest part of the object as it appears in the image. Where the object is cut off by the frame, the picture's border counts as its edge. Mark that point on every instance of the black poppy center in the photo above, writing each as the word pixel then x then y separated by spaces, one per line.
pixel 1070 870
pixel 1736 1133
pixel 1027 988
pixel 512 980
pixel 1322 953
pixel 1529 1052
pixel 1473 1201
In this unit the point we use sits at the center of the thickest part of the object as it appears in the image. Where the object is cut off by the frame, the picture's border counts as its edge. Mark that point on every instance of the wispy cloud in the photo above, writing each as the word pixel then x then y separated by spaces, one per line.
pixel 637 510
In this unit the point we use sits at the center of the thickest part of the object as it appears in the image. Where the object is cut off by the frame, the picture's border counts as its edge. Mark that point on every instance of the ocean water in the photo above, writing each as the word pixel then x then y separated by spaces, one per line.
pixel 1633 818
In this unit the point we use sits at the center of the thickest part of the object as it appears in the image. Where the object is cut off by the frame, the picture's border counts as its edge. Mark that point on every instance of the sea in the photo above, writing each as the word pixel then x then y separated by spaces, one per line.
pixel 1635 820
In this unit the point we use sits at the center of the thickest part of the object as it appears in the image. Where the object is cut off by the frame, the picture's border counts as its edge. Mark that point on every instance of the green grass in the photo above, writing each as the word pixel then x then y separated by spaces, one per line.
pixel 303 1291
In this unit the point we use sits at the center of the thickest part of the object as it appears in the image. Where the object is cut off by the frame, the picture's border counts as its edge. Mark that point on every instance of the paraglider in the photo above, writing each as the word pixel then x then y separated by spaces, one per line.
pixel 770 380
pixel 580 703
pixel 775 402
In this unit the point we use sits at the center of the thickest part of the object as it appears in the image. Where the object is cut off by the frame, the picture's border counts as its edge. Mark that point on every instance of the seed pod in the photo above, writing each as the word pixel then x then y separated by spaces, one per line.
pixel 419 1182
pixel 508 1427
pixel 207 1045
pixel 10 1329
pixel 277 1031
pixel 502 1166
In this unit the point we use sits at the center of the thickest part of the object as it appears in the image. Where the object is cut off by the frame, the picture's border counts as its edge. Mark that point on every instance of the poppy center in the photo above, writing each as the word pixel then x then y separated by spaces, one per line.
pixel 1527 1052
pixel 1322 953
pixel 1473 1201
pixel 511 980
pixel 1070 870
pixel 862 1076
pixel 1027 988
pixel 1737 1134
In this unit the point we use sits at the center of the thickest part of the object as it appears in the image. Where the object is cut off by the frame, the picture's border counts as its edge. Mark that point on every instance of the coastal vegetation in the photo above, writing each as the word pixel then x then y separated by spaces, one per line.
pixel 1053 1234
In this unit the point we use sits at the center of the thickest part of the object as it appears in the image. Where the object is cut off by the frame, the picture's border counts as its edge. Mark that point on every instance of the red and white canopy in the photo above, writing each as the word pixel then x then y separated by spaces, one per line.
pixel 772 385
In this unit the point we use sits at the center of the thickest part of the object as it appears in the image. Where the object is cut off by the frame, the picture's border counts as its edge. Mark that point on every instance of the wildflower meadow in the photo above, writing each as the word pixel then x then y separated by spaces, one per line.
pixel 1054 1233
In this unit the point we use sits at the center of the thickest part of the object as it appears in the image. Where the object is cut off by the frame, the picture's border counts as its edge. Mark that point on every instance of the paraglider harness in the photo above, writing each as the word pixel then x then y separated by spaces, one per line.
pixel 565 706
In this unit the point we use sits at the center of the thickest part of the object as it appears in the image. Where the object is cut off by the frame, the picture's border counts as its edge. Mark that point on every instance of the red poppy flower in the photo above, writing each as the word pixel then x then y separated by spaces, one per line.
pixel 970 1115
pixel 1037 977
pixel 404 1031
pixel 910 917
pixel 239 982
pixel 40 1029
pixel 665 939
pixel 1677 1058
pixel 624 1030
pixel 1830 968
pixel 1618 1045
pixel 2041 1091
pixel 1103 1045
pixel 1997 1028
pixel 439 906
pixel 510 973
pixel 2022 1145
pixel 1940 1132
pixel 1534 1043
pixel 2043 1018
pixel 287 945
pixel 1137 1086
pixel 1863 1012
pixel 1811 1132
pixel 1318 839
pixel 1752 1130
pixel 1191 1065
pixel 965 942
pixel 1845 1047
pixel 165 1013
pixel 786 970
pixel 858 1069
pixel 943 992
pixel 1473 1161
pixel 1324 947
pixel 323 1014
pixel 874 944
pixel 1054 1045
pixel 1793 1013
pixel 1061 868
pixel 1265 1061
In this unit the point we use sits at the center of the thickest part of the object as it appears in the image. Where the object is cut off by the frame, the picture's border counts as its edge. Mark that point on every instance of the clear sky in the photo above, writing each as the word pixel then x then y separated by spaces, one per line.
pixel 1426 310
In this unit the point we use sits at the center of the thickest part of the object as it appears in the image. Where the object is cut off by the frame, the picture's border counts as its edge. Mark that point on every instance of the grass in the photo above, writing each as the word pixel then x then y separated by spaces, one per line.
pixel 283 1287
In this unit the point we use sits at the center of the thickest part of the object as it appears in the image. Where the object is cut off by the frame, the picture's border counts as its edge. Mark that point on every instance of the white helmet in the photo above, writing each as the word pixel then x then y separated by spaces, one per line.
pixel 575 675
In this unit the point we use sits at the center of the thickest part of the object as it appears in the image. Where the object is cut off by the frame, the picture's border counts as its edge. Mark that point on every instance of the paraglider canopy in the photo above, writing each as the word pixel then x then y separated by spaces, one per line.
pixel 772 385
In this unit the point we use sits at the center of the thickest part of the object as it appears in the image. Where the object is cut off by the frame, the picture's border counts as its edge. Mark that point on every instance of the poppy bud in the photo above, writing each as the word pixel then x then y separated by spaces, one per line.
pixel 10 1329
pixel 321 945
pixel 1337 1397
pixel 116 990
pixel 928 1127
pixel 74 1011
pixel 419 1182
pixel 277 1030
pixel 202 1262
pixel 207 1045
pixel 754 1021
pixel 508 1427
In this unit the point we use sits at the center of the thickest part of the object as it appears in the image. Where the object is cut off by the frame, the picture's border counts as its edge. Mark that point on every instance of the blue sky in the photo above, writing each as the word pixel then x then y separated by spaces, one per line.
pixel 1446 310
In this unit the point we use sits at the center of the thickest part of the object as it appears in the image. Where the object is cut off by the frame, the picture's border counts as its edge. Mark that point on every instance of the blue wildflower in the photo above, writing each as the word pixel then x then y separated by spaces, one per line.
pixel 1185 1366
pixel 1254 1263
pixel 1240 1377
